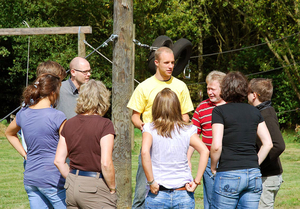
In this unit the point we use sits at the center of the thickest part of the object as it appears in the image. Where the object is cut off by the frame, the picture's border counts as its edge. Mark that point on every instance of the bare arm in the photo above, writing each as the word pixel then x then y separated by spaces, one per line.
pixel 107 166
pixel 264 135
pixel 189 155
pixel 136 120
pixel 146 161
pixel 197 144
pixel 60 157
pixel 216 147
pixel 186 118
pixel 11 135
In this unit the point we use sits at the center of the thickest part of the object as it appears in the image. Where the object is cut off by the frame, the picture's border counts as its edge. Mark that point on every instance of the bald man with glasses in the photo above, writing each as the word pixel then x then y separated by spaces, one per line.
pixel 80 70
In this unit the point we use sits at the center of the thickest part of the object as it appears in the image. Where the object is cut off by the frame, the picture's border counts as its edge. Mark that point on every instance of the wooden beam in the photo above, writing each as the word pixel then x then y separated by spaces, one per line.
pixel 122 80
pixel 45 31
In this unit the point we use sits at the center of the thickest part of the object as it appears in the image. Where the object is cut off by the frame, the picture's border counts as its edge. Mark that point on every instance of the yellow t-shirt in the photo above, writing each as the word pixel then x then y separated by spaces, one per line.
pixel 145 93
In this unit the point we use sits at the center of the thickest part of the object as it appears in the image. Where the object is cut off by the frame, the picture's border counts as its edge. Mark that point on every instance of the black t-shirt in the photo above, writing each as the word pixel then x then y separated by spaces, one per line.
pixel 240 122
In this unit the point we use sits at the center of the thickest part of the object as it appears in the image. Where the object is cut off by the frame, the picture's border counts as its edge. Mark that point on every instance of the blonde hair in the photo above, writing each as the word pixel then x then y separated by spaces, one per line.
pixel 166 113
pixel 52 68
pixel 93 98
pixel 215 76
pixel 160 50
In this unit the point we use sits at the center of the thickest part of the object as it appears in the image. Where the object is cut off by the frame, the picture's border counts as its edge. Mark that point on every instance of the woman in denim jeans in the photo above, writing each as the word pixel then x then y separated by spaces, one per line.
pixel 164 155
pixel 41 124
pixel 235 126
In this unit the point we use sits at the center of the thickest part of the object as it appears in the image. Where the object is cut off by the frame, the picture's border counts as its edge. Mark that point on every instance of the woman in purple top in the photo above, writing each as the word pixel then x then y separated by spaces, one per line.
pixel 41 125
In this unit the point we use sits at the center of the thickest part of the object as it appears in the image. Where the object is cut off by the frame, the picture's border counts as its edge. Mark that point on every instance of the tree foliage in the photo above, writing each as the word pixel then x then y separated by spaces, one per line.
pixel 212 26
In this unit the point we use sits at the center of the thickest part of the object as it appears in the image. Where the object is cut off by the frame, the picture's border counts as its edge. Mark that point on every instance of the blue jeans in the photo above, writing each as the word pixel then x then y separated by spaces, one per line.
pixel 208 184
pixel 140 187
pixel 170 199
pixel 40 198
pixel 239 189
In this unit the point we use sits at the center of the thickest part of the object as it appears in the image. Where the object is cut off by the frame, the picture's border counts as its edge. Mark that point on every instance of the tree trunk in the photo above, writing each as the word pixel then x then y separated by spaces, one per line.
pixel 122 80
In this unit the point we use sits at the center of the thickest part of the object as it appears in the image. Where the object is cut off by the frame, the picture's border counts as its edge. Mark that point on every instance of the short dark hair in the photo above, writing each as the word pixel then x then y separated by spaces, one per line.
pixel 234 87
pixel 262 87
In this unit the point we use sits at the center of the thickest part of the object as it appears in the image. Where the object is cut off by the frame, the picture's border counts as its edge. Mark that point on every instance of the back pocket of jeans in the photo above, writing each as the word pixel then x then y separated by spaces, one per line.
pixel 229 185
pixel 258 184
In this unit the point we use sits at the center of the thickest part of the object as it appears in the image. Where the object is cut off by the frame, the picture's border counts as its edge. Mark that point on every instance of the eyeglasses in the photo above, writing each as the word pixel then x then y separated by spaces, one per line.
pixel 84 71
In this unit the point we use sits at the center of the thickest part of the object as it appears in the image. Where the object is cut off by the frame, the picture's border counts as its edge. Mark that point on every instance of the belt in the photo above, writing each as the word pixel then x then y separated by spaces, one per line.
pixel 162 188
pixel 86 173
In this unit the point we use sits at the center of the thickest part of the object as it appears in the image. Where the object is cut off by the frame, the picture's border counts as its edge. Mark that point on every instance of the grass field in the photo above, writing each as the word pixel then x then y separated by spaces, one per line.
pixel 13 195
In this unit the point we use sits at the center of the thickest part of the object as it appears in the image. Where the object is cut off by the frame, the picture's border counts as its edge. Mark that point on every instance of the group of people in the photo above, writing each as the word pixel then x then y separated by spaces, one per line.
pixel 68 143
pixel 239 151
pixel 63 120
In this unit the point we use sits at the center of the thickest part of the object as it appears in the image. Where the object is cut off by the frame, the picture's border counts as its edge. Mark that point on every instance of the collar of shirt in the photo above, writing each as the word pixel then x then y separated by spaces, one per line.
pixel 73 87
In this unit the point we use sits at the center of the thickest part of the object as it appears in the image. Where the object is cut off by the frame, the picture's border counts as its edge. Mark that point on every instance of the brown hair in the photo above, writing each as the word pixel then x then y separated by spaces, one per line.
pixel 160 50
pixel 234 87
pixel 46 85
pixel 166 113
pixel 52 68
pixel 93 98
pixel 262 87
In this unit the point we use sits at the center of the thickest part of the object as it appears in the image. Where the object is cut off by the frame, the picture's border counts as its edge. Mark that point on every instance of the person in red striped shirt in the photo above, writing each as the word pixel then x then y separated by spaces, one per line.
pixel 202 119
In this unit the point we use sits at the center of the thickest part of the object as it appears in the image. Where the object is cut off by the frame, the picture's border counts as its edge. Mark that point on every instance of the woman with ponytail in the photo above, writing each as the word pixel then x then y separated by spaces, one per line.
pixel 41 124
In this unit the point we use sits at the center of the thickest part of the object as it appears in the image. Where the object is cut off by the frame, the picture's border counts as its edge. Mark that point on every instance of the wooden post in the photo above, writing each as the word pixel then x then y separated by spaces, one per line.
pixel 132 71
pixel 122 79
pixel 81 45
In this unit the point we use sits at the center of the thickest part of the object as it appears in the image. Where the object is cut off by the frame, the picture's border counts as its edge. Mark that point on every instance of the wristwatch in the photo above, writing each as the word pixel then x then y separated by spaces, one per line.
pixel 150 182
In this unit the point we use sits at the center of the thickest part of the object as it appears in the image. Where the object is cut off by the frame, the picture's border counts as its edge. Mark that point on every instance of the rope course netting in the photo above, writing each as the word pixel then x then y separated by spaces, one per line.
pixel 153 48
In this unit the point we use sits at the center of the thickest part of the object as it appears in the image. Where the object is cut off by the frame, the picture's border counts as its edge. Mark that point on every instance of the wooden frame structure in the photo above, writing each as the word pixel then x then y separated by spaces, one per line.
pixel 80 30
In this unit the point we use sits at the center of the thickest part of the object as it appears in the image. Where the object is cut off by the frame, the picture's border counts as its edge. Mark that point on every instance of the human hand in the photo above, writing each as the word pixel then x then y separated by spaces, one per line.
pixel 154 188
pixel 142 125
pixel 191 186
pixel 112 190
pixel 213 171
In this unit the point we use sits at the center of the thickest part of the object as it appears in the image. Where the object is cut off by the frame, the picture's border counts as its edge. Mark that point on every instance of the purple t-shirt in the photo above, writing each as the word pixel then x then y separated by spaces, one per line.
pixel 41 132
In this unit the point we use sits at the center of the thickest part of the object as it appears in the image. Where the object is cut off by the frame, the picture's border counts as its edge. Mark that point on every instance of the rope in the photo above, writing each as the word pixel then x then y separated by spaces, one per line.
pixel 248 47
pixel 111 38
pixel 10 113
pixel 287 111
pixel 144 45
pixel 97 51
pixel 105 43
pixel 25 23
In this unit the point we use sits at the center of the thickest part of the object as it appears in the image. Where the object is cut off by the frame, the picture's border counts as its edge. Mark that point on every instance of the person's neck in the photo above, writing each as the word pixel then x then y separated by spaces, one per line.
pixel 161 78
pixel 43 103
pixel 256 102
pixel 76 84
pixel 221 102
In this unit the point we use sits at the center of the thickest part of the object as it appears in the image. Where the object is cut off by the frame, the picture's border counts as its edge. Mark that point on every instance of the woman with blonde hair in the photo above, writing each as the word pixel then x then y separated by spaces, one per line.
pixel 40 124
pixel 88 140
pixel 164 155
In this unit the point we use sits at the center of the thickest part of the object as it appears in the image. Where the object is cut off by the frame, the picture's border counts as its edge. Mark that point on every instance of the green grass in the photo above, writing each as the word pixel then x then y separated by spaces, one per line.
pixel 13 195
pixel 289 193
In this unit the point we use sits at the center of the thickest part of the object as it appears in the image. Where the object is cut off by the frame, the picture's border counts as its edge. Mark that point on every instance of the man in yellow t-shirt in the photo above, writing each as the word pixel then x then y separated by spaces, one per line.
pixel 141 103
